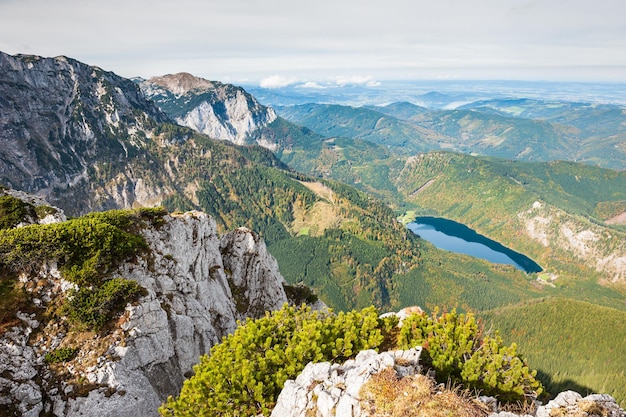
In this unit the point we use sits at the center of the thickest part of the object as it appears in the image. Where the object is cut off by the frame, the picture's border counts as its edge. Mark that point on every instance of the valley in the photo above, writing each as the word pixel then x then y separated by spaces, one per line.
pixel 324 185
pixel 556 212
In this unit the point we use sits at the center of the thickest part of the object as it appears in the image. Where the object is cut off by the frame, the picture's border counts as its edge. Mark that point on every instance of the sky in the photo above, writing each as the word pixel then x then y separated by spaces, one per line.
pixel 278 42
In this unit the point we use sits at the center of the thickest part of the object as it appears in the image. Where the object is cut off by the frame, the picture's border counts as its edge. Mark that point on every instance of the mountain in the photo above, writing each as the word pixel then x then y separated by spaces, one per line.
pixel 122 342
pixel 225 111
pixel 331 120
pixel 221 111
pixel 528 130
pixel 62 123
pixel 345 244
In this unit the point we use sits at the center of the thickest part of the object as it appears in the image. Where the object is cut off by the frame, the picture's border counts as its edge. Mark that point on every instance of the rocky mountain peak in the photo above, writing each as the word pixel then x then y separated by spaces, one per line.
pixel 221 111
pixel 59 118
pixel 182 83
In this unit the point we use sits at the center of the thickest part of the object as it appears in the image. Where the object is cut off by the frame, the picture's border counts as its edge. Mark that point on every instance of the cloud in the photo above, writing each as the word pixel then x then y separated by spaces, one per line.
pixel 312 85
pixel 342 80
pixel 277 81
pixel 397 39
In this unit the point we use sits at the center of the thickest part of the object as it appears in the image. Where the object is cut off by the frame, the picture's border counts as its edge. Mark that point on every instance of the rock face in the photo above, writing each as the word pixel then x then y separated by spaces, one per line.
pixel 580 239
pixel 58 117
pixel 197 285
pixel 221 111
pixel 325 389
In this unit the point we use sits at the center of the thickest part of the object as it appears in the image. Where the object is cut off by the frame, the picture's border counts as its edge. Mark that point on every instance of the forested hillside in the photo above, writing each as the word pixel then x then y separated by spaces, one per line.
pixel 574 345
pixel 546 211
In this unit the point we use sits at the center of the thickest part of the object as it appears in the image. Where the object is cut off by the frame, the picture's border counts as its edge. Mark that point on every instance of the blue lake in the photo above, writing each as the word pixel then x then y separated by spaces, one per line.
pixel 456 237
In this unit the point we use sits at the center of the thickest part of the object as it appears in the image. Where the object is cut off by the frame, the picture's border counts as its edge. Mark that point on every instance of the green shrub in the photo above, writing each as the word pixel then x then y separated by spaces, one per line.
pixel 12 211
pixel 300 294
pixel 455 348
pixel 92 308
pixel 244 374
pixel 86 249
pixel 43 211
pixel 59 355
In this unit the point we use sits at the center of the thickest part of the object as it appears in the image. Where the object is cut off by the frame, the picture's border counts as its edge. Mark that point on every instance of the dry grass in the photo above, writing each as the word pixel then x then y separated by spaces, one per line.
pixel 386 395
pixel 584 408
pixel 320 189
pixel 592 408
pixel 323 215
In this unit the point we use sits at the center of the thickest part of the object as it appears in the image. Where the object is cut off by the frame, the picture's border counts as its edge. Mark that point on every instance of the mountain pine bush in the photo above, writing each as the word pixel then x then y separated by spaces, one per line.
pixel 245 373
pixel 87 250
pixel 456 348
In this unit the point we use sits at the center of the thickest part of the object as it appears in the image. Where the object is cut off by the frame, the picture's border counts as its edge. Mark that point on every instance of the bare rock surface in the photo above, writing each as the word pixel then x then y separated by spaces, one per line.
pixel 325 389
pixel 221 111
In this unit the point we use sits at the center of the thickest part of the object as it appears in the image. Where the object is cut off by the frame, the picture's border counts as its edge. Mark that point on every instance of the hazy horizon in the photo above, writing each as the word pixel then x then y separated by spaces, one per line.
pixel 280 42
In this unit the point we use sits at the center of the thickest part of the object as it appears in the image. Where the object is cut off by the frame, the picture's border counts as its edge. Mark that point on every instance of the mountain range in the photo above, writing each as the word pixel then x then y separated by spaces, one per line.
pixel 326 196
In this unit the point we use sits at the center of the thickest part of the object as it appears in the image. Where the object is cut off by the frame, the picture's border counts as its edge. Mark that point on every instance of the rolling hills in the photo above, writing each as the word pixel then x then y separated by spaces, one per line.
pixel 522 129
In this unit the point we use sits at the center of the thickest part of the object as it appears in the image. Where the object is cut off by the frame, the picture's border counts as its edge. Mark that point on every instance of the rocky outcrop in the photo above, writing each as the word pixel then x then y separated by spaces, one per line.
pixel 329 390
pixel 325 389
pixel 197 286
pixel 578 238
pixel 37 210
pixel 572 404
pixel 221 111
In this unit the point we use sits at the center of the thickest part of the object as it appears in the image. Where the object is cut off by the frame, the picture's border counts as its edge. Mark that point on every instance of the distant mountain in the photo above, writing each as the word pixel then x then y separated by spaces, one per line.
pixel 527 130
pixel 600 129
pixel 221 111
pixel 331 120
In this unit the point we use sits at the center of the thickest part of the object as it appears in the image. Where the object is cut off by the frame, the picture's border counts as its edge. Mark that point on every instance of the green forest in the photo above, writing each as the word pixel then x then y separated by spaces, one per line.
pixel 573 344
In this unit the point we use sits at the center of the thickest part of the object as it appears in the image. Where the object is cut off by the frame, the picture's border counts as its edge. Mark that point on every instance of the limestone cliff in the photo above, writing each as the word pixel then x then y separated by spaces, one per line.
pixel 577 238
pixel 59 118
pixel 221 111
pixel 197 285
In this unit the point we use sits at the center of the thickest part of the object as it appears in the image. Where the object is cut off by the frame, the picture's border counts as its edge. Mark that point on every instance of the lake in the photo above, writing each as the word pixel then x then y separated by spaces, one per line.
pixel 456 237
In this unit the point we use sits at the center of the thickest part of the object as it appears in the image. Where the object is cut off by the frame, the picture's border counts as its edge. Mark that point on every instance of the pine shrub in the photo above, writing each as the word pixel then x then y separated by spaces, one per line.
pixel 244 374
pixel 455 347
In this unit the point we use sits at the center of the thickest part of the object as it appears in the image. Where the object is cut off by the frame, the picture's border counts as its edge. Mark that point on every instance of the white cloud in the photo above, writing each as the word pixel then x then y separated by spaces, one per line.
pixel 312 85
pixel 343 80
pixel 277 81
